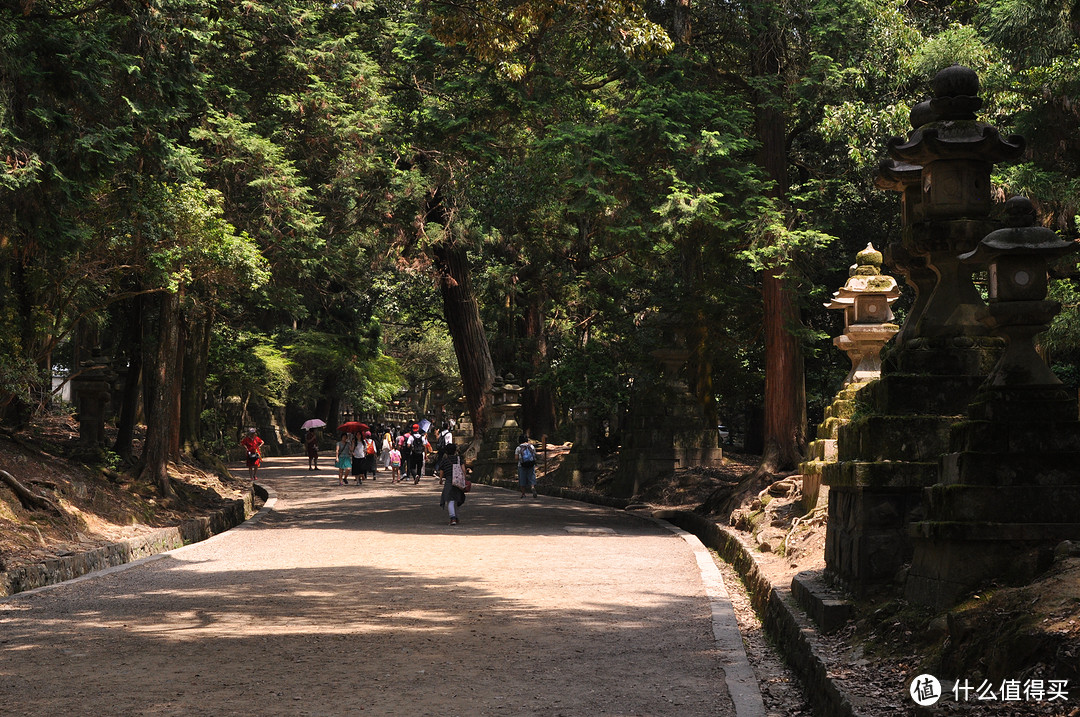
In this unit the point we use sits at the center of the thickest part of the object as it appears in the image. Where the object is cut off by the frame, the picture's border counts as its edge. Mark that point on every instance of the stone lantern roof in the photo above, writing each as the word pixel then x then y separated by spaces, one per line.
pixel 949 128
pixel 865 283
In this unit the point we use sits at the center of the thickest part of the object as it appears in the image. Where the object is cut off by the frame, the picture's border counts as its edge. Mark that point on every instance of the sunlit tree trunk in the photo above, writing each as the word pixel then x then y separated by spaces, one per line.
pixel 785 404
pixel 466 329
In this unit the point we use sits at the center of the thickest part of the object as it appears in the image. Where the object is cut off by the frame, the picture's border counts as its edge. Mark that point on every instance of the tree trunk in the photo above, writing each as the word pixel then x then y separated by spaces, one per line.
pixel 175 386
pixel 785 406
pixel 131 339
pixel 682 31
pixel 160 414
pixel 466 330
pixel 539 403
pixel 196 359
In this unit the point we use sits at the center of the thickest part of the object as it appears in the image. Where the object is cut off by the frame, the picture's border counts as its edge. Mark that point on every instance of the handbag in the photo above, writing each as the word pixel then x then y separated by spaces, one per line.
pixel 457 477
pixel 468 486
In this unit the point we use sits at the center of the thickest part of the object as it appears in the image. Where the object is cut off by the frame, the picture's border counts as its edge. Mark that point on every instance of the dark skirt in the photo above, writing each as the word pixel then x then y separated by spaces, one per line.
pixel 451 492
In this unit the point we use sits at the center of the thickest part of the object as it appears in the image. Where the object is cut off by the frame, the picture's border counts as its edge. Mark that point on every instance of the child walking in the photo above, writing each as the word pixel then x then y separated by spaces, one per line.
pixel 343 459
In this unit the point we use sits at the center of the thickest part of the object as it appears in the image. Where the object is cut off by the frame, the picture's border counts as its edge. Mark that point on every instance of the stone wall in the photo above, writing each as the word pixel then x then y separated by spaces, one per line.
pixel 68 567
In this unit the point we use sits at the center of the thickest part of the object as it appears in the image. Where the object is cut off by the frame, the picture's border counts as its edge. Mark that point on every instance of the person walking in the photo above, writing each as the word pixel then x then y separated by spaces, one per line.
pixel 395 465
pixel 357 456
pixel 343 458
pixel 444 439
pixel 311 443
pixel 453 496
pixel 370 451
pixel 417 446
pixel 387 444
pixel 253 459
pixel 526 465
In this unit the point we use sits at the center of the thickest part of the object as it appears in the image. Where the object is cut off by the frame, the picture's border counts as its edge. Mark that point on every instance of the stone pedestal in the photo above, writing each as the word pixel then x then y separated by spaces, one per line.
pixel 582 463
pixel 667 428
pixel 495 459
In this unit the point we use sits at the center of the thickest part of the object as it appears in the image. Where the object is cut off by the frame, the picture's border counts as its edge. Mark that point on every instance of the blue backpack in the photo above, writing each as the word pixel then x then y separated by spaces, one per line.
pixel 528 455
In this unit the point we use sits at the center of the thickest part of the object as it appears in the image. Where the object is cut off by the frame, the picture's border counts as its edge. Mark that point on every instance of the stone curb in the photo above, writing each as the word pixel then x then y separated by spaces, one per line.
pixel 797 635
pixel 742 684
pixel 566 494
pixel 68 567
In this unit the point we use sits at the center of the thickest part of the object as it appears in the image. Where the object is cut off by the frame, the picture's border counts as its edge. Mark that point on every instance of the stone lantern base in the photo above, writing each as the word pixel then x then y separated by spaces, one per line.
pixel 666 433
pixel 888 455
pixel 495 460
pixel 1008 493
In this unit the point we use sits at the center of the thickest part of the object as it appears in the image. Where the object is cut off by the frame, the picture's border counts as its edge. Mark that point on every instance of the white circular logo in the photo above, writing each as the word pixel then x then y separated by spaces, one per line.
pixel 925 690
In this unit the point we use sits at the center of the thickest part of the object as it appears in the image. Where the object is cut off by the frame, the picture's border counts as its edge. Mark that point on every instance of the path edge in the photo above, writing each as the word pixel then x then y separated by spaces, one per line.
pixel 123 553
pixel 742 683
pixel 797 636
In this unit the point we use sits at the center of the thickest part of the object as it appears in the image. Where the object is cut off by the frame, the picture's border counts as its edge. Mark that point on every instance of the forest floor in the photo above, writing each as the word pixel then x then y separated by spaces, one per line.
pixel 1001 634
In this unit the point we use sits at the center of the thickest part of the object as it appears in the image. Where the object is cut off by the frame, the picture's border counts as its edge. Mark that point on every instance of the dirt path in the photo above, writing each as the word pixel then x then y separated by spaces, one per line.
pixel 362 600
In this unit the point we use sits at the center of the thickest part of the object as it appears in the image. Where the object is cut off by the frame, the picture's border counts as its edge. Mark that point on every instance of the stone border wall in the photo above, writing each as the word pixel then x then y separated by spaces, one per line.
pixel 68 567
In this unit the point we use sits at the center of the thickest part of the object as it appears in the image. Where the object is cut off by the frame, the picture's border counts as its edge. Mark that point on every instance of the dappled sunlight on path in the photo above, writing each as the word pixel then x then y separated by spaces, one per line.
pixel 346 598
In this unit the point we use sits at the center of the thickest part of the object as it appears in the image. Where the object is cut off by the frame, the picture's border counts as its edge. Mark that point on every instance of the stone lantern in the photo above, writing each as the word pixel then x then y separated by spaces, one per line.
pixel 667 428
pixel 956 153
pixel 888 455
pixel 582 463
pixel 92 389
pixel 1008 488
pixel 865 299
pixel 1017 259
pixel 495 459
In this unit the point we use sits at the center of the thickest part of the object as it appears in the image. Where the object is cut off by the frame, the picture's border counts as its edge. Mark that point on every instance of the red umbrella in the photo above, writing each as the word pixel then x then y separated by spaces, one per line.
pixel 352 427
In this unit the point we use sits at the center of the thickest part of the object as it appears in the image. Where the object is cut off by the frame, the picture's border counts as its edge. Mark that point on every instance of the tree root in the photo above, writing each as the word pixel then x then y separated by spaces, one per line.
pixel 29 500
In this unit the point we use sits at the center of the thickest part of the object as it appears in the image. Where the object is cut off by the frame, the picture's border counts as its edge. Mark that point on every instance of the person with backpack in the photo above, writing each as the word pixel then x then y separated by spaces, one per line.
pixel 445 439
pixel 452 468
pixel 417 445
pixel 367 462
pixel 526 465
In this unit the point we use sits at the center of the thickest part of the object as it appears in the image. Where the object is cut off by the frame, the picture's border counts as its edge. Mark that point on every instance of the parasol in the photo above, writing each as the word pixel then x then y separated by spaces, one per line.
pixel 313 423
pixel 352 427
pixel 425 425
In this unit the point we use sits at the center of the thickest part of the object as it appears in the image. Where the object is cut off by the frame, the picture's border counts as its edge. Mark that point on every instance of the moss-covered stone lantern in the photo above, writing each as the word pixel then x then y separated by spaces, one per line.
pixel 866 299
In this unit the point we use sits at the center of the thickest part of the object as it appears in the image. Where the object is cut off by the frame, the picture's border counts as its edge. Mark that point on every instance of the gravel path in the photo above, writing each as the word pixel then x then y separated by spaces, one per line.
pixel 362 600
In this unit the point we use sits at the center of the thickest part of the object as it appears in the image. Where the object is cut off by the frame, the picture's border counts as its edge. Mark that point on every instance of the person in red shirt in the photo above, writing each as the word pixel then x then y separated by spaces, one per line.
pixel 253 444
